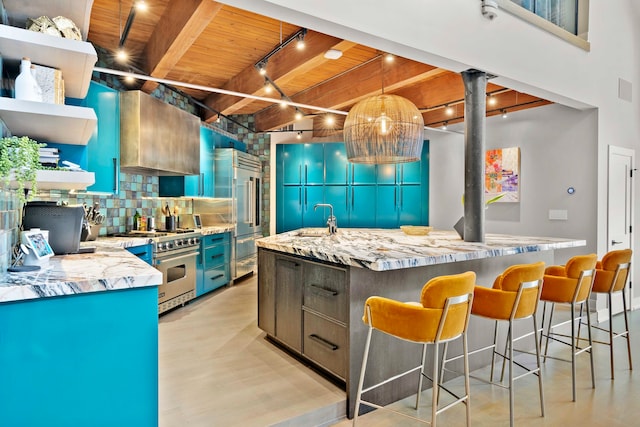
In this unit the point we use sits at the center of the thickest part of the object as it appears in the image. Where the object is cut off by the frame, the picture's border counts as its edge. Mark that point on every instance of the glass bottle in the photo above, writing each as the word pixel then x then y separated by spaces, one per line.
pixel 136 221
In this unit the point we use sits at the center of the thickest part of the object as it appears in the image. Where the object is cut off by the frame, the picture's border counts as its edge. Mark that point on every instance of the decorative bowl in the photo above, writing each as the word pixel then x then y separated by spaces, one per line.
pixel 416 230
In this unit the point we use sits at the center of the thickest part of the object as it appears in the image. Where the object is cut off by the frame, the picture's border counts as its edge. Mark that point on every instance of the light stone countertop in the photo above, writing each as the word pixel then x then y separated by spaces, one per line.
pixel 104 270
pixel 391 249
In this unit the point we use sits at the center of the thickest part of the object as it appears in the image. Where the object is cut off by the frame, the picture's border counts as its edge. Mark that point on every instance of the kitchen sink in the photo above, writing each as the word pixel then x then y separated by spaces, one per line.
pixel 313 232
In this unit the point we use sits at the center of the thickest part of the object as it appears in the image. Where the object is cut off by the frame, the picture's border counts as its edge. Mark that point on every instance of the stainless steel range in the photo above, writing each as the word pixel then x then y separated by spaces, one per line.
pixel 175 256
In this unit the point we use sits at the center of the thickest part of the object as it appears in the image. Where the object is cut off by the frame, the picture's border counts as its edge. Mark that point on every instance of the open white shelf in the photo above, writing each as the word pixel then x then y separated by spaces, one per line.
pixel 74 58
pixel 79 11
pixel 60 180
pixel 46 122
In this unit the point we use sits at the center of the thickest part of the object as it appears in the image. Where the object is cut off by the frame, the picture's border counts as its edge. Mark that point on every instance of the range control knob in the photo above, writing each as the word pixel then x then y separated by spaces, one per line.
pixel 196 241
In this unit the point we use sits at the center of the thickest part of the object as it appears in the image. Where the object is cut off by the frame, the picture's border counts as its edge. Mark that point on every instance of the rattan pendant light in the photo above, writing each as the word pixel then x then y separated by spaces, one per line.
pixel 383 129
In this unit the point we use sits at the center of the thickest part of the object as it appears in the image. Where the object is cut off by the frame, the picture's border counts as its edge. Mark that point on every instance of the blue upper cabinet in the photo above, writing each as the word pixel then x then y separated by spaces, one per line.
pixel 202 185
pixel 338 170
pixel 303 164
pixel 336 164
pixel 103 149
pixel 401 173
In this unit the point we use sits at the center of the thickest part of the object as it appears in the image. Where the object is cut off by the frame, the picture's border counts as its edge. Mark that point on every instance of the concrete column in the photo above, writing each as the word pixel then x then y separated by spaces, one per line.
pixel 475 91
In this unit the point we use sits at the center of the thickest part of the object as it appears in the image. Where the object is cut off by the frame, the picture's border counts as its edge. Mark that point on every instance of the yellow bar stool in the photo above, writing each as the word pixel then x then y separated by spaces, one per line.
pixel 569 284
pixel 611 278
pixel 514 296
pixel 441 316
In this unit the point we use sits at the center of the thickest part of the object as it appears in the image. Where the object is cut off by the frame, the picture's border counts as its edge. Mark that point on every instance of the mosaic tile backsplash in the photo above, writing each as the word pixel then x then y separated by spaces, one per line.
pixel 137 193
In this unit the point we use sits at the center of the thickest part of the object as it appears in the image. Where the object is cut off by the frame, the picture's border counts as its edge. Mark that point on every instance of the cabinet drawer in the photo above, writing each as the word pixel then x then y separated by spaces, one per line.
pixel 215 239
pixel 215 278
pixel 325 290
pixel 215 255
pixel 325 343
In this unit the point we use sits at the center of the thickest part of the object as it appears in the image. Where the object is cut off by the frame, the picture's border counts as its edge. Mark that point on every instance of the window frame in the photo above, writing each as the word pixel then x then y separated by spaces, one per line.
pixel 579 40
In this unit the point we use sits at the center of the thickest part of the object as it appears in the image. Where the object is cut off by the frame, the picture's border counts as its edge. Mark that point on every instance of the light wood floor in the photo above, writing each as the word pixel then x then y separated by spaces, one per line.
pixel 216 369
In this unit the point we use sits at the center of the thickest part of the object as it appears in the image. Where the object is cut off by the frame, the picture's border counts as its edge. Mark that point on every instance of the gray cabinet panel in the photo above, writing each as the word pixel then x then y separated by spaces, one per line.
pixel 325 290
pixel 288 302
pixel 325 343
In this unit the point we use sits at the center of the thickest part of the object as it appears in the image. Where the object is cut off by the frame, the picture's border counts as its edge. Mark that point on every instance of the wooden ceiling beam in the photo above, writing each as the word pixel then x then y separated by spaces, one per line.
pixel 281 67
pixel 351 87
pixel 180 26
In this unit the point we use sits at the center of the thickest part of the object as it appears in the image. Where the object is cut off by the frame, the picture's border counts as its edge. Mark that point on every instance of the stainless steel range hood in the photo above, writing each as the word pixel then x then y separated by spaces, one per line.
pixel 157 138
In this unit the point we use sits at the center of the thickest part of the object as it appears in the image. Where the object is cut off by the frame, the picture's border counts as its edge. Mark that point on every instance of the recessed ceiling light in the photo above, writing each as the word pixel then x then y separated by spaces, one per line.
pixel 333 54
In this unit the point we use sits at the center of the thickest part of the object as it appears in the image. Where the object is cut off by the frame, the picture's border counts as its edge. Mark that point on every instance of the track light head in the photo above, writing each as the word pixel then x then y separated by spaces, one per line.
pixel 261 67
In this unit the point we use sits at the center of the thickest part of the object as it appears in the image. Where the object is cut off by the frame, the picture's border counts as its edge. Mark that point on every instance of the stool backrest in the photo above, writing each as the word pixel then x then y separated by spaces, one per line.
pixel 438 290
pixel 579 263
pixel 612 272
pixel 512 280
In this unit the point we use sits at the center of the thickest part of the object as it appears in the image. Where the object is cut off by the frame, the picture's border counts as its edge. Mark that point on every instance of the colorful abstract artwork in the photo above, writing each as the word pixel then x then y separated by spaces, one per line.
pixel 502 174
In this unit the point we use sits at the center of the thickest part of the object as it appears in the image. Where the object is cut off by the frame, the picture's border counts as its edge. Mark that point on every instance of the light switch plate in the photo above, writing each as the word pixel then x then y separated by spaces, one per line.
pixel 558 214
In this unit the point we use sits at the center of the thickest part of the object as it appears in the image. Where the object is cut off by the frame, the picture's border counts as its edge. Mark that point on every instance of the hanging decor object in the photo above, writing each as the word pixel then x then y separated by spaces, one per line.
pixel 384 129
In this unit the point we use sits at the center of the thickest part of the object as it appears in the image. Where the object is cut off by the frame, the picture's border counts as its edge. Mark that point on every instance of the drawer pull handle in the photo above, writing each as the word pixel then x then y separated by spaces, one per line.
pixel 217 277
pixel 290 264
pixel 216 256
pixel 326 292
pixel 331 346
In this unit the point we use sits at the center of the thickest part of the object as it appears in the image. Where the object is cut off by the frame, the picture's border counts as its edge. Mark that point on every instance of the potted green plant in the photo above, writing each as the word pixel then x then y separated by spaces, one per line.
pixel 19 161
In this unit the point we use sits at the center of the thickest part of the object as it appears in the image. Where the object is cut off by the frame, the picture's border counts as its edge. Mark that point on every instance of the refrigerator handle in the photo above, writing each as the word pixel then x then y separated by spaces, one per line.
pixel 248 202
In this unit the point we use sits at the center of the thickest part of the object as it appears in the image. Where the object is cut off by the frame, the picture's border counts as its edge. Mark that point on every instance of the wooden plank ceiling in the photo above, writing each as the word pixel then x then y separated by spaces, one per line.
pixel 207 43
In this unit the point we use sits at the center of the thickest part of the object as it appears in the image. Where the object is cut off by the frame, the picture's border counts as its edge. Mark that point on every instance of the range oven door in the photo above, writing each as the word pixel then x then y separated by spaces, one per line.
pixel 179 278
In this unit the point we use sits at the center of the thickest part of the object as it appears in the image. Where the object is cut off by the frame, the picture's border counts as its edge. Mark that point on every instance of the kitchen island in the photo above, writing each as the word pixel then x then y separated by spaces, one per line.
pixel 312 288
pixel 79 342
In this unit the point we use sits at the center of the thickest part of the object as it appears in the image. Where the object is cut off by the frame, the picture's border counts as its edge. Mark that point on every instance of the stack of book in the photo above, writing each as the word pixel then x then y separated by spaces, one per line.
pixel 51 82
pixel 49 157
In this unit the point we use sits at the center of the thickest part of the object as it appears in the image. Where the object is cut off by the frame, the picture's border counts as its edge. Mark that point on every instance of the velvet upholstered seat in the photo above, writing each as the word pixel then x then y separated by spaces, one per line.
pixel 514 296
pixel 570 284
pixel 612 274
pixel 441 315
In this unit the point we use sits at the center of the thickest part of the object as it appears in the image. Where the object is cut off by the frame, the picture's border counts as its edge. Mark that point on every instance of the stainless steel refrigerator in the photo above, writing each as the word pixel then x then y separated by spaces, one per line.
pixel 238 192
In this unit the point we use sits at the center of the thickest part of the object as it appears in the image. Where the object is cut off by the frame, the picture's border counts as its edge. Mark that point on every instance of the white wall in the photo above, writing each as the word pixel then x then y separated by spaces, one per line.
pixel 553 157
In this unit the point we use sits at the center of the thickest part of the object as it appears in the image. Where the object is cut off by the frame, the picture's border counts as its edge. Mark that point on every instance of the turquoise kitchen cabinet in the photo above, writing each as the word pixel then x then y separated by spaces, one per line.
pixel 303 164
pixel 387 206
pixel 384 196
pixel 400 173
pixel 353 206
pixel 202 185
pixel 144 252
pixel 296 209
pixel 213 263
pixel 411 205
pixel 103 149
pixel 363 205
pixel 338 170
pixel 338 197
pixel 401 205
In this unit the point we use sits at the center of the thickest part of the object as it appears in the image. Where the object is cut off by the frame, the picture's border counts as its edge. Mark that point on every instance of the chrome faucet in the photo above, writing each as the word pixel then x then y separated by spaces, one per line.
pixel 332 223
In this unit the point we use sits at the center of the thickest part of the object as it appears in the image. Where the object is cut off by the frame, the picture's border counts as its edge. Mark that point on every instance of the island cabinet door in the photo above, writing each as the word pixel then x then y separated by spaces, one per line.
pixel 267 291
pixel 325 316
pixel 288 302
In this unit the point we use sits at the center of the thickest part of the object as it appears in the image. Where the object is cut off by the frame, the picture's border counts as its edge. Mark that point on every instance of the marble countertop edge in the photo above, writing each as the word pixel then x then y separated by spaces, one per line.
pixel 390 249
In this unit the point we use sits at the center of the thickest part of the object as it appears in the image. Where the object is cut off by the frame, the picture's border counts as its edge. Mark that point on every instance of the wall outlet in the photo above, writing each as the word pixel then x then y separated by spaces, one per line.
pixel 558 214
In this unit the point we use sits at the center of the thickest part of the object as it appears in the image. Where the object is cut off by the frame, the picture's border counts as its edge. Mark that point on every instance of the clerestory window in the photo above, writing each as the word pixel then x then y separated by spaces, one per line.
pixel 567 19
